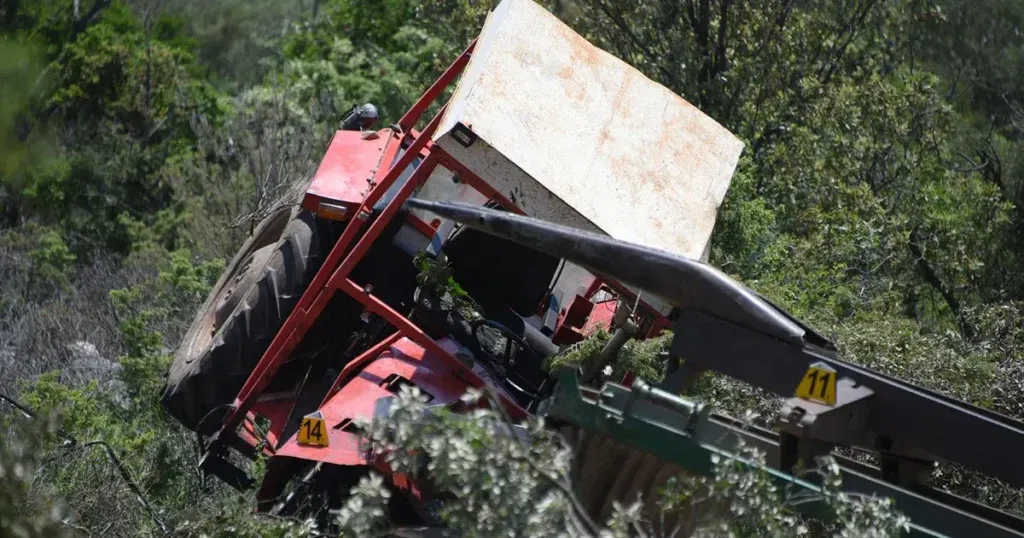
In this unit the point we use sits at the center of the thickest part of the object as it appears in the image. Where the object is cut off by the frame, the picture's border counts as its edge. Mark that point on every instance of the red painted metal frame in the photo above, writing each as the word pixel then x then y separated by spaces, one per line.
pixel 625 293
pixel 341 177
pixel 356 401
pixel 421 227
pixel 357 398
pixel 410 118
pixel 595 287
pixel 323 286
pixel 414 333
pixel 357 364
pixel 353 245
pixel 325 282
pixel 377 227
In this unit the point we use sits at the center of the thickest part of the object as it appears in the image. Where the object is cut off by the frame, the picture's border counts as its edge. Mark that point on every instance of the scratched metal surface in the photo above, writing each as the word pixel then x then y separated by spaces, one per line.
pixel 576 136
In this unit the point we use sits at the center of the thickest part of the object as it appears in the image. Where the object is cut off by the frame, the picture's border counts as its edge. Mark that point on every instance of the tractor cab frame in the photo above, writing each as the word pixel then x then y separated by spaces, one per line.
pixel 406 337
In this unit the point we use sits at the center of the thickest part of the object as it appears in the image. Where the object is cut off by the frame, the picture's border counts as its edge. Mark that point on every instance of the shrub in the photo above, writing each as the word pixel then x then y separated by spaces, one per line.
pixel 514 480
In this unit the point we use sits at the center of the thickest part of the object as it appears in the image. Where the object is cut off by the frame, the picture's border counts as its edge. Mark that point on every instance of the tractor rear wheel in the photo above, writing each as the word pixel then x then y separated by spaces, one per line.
pixel 242 314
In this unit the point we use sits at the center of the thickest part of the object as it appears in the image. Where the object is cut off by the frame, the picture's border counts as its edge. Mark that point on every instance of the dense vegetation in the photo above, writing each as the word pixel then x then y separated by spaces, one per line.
pixel 879 198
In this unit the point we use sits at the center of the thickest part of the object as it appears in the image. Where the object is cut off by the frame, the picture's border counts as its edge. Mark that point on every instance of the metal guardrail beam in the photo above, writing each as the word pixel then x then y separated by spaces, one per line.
pixel 688 434
pixel 909 415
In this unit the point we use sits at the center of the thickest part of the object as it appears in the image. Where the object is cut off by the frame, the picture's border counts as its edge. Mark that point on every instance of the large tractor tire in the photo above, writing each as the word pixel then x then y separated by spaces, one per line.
pixel 241 316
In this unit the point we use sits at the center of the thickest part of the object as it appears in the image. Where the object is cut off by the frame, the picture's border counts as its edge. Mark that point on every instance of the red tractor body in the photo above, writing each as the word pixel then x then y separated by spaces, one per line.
pixel 354 175
pixel 375 328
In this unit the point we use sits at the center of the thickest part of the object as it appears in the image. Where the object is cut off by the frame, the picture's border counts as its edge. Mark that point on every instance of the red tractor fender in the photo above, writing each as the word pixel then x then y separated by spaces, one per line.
pixel 359 396
pixel 403 363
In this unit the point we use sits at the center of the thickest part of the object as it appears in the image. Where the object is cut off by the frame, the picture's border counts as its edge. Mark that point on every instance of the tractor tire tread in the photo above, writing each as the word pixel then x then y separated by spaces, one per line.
pixel 213 379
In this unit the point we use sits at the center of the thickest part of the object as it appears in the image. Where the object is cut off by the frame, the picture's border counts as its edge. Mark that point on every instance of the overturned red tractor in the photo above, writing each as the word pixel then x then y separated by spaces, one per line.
pixel 321 313
pixel 553 185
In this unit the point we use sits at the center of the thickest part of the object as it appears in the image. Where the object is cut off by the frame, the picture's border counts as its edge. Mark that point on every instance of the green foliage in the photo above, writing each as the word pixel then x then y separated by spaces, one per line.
pixel 456 22
pixel 852 194
pixel 941 362
pixel 516 480
pixel 24 513
pixel 161 230
pixel 436 277
pixel 233 518
pixel 365 512
pixel 502 486
pixel 51 259
pixel 122 102
pixel 370 21
pixel 350 58
pixel 641 357
pixel 179 289
pixel 752 503
pixel 186 283
pixel 859 517
pixel 235 41
pixel 19 69
pixel 128 416
pixel 976 47
pixel 41 262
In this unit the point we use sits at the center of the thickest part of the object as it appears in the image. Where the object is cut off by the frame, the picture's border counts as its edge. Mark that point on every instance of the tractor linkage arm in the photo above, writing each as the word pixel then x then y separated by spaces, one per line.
pixel 725 327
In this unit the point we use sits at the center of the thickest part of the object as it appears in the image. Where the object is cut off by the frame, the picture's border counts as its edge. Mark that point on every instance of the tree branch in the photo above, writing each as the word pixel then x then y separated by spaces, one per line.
pixel 636 42
pixel 723 24
pixel 932 279
pixel 851 31
pixel 81 24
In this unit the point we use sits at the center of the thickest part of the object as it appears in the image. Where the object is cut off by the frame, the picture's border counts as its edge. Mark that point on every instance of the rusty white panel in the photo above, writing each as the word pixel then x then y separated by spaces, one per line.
pixel 440 186
pixel 575 136
pixel 524 191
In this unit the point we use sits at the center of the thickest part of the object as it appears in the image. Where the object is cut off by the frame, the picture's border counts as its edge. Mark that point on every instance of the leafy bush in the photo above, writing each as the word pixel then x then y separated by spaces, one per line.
pixel 155 451
pixel 24 512
pixel 516 480
pixel 641 357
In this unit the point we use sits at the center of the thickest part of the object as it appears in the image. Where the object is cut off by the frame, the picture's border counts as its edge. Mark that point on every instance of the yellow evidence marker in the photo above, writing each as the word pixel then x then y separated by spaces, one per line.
pixel 313 430
pixel 818 384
